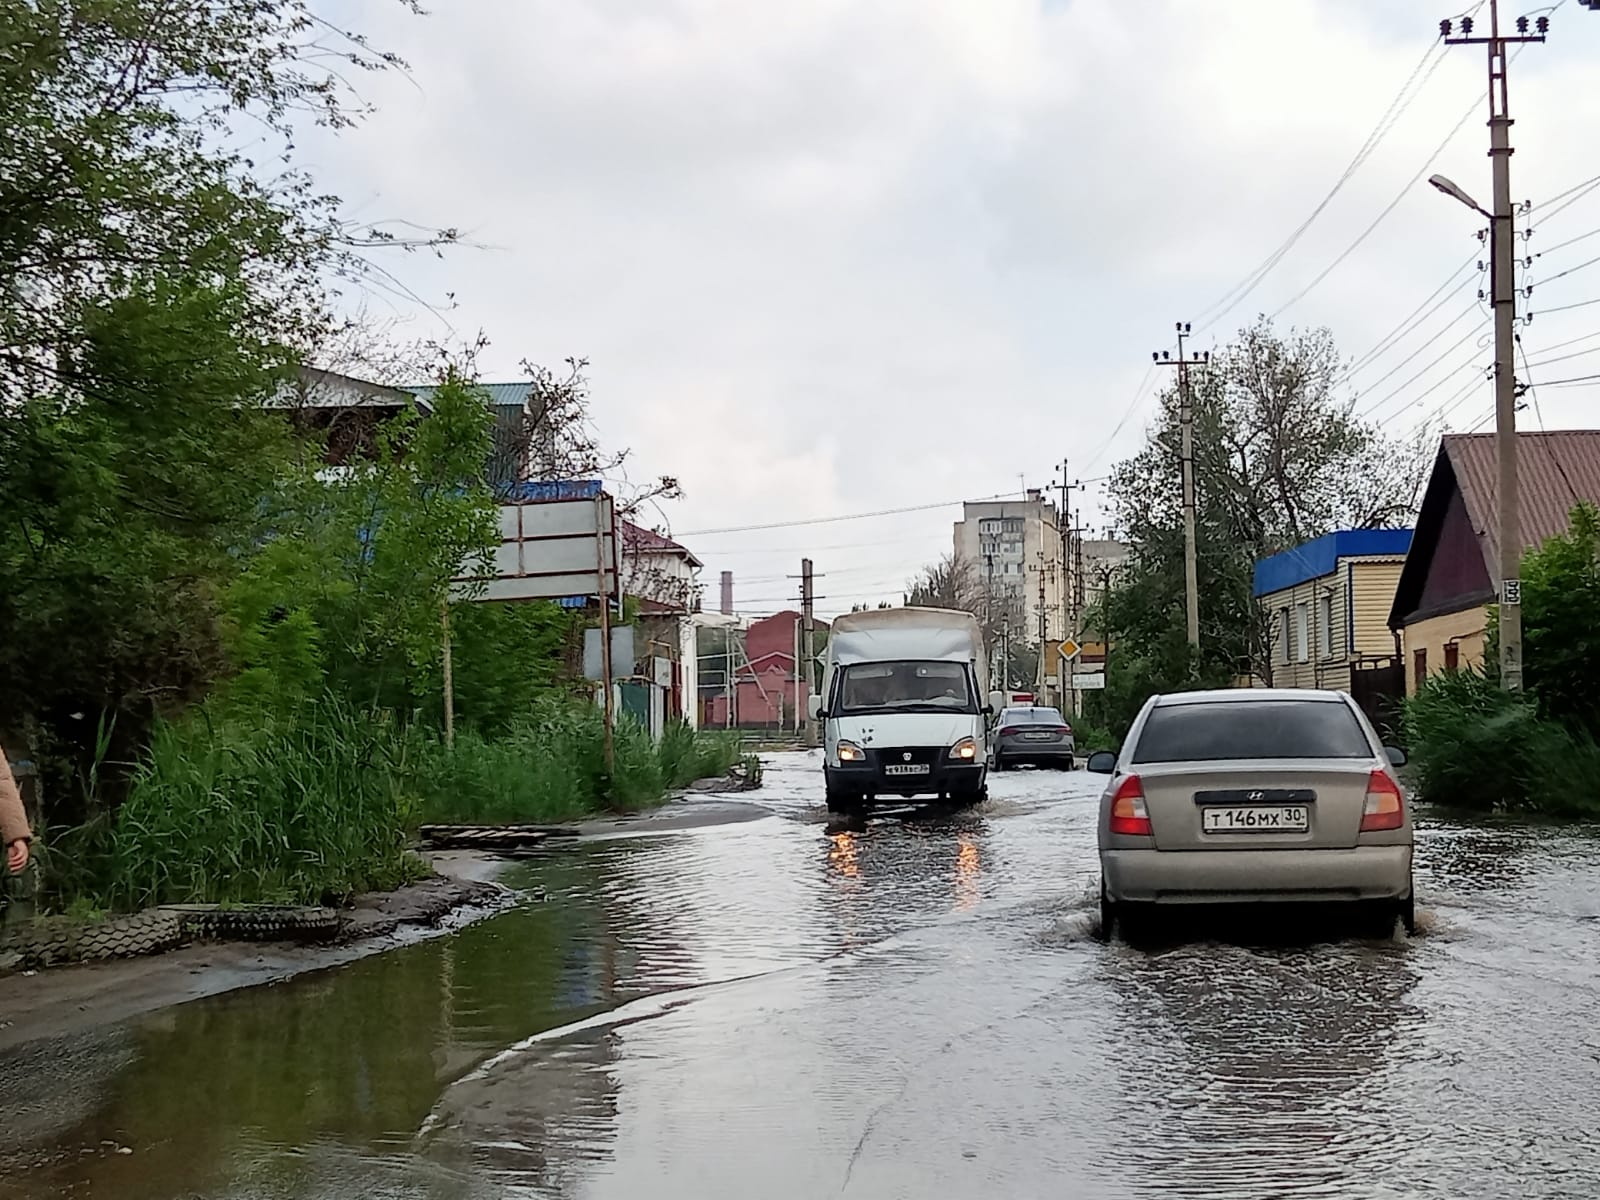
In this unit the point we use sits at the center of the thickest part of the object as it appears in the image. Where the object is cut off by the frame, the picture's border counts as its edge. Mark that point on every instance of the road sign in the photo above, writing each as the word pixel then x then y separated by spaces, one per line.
pixel 1089 683
pixel 1068 649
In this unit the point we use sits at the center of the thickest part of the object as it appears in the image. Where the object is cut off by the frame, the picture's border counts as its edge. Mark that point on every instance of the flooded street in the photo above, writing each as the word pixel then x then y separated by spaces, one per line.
pixel 778 1009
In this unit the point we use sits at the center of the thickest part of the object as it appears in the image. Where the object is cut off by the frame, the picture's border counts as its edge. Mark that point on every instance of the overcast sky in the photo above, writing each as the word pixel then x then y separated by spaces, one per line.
pixel 835 256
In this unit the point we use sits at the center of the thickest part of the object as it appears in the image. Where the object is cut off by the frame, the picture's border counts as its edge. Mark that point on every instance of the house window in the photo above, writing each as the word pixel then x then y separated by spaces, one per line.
pixel 1302 632
pixel 1452 657
pixel 1419 663
pixel 1325 625
pixel 1285 634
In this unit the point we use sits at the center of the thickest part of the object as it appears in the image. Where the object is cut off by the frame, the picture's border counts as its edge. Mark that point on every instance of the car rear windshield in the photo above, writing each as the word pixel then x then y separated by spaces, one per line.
pixel 1250 729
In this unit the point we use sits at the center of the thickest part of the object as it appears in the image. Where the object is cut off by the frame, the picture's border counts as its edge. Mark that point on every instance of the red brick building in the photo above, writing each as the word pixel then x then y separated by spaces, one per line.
pixel 768 693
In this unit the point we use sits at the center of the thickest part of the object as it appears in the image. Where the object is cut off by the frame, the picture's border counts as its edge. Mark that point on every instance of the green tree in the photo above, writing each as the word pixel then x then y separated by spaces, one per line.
pixel 1279 459
pixel 156 289
pixel 1561 621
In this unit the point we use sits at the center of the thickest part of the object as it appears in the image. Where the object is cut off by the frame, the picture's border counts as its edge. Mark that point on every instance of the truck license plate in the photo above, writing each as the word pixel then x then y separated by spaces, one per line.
pixel 1277 818
pixel 906 769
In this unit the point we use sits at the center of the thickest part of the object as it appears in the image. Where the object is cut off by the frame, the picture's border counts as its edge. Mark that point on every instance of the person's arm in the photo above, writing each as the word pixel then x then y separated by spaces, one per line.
pixel 15 836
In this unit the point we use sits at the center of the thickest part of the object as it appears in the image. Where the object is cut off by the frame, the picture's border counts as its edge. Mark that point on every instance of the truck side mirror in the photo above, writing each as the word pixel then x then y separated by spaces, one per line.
pixel 814 707
pixel 997 701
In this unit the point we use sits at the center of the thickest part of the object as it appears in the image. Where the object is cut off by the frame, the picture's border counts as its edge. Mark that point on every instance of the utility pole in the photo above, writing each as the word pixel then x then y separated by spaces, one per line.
pixel 807 611
pixel 1191 568
pixel 1502 265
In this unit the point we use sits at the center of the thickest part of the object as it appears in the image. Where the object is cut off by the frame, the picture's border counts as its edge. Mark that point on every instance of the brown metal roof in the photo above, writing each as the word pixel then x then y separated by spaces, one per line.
pixel 1554 471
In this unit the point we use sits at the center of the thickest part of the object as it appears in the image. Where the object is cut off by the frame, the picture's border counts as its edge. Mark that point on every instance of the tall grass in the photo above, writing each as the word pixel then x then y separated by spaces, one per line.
pixel 550 766
pixel 317 806
pixel 299 811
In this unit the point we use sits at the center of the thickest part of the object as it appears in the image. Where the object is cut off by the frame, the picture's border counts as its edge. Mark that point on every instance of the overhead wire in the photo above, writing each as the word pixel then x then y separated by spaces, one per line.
pixel 1411 321
pixel 1372 408
pixel 1382 216
pixel 1133 405
pixel 1392 371
pixel 1391 116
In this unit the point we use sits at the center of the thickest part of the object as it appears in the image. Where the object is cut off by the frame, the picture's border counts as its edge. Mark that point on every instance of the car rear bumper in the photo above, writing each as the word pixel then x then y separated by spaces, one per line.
pixel 1243 876
pixel 1035 751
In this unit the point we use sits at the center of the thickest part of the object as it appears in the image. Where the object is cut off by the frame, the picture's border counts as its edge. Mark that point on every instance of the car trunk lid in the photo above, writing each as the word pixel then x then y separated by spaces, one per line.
pixel 1265 804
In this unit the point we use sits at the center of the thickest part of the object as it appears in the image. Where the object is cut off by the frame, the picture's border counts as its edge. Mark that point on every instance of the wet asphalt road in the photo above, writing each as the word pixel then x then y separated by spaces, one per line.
pixel 918 1008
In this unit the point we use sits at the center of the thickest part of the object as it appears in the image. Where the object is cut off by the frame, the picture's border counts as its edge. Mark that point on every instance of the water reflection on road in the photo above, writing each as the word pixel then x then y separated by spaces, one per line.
pixel 905 1008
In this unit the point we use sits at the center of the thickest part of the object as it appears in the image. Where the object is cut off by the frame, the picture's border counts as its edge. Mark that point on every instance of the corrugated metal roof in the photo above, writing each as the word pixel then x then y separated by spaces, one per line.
pixel 1554 471
pixel 1320 556
pixel 501 395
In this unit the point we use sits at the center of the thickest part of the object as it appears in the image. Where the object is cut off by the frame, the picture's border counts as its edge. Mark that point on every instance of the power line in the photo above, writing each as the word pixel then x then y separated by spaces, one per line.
pixel 1584 187
pixel 1563 274
pixel 1562 308
pixel 1533 394
pixel 1394 370
pixel 863 516
pixel 1236 295
pixel 1407 324
pixel 1563 245
pixel 1382 216
pixel 1451 350
pixel 1138 395
pixel 1398 413
pixel 1587 188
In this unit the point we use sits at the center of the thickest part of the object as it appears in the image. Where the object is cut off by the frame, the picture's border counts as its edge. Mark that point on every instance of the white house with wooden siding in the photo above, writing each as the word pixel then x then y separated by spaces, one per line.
pixel 1328 601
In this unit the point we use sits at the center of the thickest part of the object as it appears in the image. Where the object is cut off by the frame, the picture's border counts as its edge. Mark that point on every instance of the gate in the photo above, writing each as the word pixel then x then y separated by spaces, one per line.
pixel 1380 690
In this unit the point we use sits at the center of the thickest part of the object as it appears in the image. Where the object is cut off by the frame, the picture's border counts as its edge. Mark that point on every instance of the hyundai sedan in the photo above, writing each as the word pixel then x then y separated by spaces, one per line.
pixel 1253 795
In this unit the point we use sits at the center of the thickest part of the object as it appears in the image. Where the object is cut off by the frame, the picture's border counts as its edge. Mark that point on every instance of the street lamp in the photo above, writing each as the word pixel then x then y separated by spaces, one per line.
pixel 1454 190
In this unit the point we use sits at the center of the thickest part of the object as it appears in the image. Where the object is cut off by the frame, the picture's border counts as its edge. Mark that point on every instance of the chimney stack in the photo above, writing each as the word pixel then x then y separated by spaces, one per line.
pixel 727 593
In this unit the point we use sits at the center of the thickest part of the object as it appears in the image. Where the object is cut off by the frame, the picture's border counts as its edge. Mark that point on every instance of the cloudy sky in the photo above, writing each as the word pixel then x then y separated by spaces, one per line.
pixel 830 257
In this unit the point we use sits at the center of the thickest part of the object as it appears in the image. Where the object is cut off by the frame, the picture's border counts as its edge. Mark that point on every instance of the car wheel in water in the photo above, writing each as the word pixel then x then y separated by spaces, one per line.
pixel 844 803
pixel 1000 764
pixel 1108 914
pixel 1408 911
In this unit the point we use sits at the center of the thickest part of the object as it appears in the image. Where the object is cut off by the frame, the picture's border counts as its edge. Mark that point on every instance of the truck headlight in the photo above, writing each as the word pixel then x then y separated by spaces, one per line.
pixel 850 752
pixel 966 750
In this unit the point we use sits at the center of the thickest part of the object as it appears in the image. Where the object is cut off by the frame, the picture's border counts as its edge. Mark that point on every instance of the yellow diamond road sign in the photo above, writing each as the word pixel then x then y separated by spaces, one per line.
pixel 1069 649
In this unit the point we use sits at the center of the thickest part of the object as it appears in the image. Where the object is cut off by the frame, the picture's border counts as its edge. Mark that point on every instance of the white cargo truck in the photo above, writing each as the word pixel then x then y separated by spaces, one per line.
pixel 903 708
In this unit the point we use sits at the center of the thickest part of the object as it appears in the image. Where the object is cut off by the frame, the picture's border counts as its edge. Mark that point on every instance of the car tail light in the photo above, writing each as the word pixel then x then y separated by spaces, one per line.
pixel 1064 729
pixel 1008 731
pixel 1385 808
pixel 1128 813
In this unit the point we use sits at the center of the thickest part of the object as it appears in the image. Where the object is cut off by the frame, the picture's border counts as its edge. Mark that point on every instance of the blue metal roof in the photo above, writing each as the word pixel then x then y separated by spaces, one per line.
pixel 1319 557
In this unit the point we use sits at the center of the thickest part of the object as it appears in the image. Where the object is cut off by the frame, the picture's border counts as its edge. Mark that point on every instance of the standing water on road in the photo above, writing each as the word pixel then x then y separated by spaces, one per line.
pixel 917 1006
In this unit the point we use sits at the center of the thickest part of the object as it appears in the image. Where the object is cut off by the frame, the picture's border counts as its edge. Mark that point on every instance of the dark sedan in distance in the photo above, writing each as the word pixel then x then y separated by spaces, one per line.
pixel 1040 736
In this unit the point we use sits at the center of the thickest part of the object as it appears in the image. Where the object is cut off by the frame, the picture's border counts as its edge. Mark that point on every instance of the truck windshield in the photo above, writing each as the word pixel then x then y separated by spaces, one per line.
pixel 901 686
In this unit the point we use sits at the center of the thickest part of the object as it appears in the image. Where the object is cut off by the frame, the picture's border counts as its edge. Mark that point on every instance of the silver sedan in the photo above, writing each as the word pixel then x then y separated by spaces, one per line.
pixel 1252 795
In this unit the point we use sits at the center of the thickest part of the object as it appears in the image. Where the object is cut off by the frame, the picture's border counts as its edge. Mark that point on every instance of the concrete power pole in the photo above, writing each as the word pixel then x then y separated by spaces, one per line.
pixel 1502 263
pixel 1191 566
pixel 809 649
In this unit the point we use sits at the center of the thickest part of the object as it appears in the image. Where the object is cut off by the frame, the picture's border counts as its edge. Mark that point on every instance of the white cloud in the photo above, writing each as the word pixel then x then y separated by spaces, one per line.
pixel 830 256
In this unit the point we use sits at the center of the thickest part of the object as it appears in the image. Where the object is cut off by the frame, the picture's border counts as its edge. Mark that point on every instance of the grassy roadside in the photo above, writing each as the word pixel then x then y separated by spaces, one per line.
pixel 315 808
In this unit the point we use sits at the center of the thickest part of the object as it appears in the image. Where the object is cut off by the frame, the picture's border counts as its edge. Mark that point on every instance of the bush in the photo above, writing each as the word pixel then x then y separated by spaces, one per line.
pixel 1478 747
pixel 1089 737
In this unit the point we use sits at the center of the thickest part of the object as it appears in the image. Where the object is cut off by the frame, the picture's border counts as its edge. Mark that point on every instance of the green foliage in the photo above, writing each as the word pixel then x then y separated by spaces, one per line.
pixel 1088 737
pixel 1561 622
pixel 157 289
pixel 296 811
pixel 506 656
pixel 1476 746
pixel 348 592
pixel 550 766
pixel 1279 459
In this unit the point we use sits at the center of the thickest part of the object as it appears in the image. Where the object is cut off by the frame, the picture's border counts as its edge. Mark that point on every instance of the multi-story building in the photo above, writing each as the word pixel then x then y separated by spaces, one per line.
pixel 1014 548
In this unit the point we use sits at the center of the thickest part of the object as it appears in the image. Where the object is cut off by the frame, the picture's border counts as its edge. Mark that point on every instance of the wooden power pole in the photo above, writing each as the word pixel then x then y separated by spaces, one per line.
pixel 809 649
